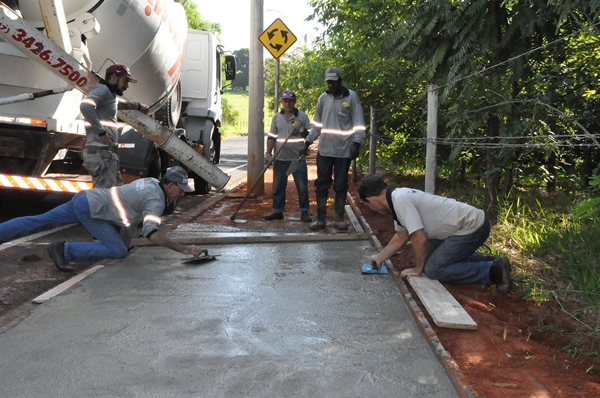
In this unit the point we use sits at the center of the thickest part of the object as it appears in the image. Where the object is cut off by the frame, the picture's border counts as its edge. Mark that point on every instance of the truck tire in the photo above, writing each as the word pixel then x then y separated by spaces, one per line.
pixel 168 115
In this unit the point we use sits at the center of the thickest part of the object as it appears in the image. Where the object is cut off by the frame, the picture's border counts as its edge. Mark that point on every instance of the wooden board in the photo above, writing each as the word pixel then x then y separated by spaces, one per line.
pixel 218 238
pixel 352 217
pixel 445 311
pixel 42 298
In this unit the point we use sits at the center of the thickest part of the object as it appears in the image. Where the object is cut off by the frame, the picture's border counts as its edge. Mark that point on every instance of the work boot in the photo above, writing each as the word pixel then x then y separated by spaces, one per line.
pixel 57 253
pixel 321 211
pixel 273 216
pixel 500 274
pixel 305 217
pixel 340 204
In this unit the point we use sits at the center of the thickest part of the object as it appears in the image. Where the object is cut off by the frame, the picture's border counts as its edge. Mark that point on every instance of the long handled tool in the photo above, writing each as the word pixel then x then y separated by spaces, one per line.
pixel 296 126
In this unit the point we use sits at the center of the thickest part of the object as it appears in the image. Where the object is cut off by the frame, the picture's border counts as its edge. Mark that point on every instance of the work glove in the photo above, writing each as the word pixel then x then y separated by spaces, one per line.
pixel 354 150
pixel 304 150
pixel 268 158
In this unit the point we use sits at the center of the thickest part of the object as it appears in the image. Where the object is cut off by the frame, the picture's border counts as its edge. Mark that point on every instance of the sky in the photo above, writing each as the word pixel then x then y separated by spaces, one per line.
pixel 234 17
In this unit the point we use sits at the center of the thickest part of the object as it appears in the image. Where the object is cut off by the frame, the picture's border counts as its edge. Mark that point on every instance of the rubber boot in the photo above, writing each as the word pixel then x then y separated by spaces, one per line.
pixel 340 204
pixel 321 211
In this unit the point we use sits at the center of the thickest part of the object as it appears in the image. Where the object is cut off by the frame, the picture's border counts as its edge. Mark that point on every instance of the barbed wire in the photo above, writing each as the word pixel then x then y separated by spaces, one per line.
pixel 565 140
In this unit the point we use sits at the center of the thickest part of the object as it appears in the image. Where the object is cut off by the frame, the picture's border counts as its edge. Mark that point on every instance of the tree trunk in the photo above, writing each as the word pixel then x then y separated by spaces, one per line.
pixel 492 179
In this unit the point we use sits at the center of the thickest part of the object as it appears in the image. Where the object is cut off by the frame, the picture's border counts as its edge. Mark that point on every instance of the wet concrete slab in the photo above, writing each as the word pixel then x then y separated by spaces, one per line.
pixel 278 320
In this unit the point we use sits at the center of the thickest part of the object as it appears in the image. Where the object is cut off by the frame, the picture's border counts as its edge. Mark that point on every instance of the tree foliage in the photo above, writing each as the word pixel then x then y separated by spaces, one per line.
pixel 517 78
pixel 196 22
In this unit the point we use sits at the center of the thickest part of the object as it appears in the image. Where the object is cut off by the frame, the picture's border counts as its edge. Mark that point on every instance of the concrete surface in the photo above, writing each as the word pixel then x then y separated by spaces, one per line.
pixel 282 320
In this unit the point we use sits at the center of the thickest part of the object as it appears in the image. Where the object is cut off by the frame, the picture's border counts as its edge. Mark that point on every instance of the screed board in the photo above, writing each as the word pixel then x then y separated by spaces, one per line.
pixel 442 306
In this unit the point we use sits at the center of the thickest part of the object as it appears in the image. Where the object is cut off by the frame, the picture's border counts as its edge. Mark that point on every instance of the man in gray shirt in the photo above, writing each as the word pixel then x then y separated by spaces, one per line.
pixel 99 108
pixel 100 210
pixel 338 121
pixel 444 233
pixel 287 141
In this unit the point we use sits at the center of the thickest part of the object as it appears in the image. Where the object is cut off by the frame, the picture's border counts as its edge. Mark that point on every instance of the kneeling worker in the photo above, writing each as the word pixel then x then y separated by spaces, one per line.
pixel 445 234
pixel 100 210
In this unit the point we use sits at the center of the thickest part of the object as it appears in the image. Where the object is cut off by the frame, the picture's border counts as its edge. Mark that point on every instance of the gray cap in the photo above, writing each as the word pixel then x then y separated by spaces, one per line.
pixel 288 94
pixel 177 175
pixel 332 73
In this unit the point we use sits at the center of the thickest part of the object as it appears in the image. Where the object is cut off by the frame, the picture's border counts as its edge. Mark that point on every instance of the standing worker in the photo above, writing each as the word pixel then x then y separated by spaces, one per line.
pixel 281 129
pixel 100 210
pixel 339 121
pixel 99 108
pixel 444 233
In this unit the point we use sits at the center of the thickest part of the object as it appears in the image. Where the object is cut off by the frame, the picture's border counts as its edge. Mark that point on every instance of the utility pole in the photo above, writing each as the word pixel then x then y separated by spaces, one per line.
pixel 256 97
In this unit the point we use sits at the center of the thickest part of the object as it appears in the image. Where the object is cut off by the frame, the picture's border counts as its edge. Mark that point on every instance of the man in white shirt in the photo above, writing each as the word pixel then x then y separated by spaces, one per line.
pixel 445 234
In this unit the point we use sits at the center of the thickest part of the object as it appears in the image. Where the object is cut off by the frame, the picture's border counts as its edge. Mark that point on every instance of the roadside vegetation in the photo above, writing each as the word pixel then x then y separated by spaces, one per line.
pixel 235 113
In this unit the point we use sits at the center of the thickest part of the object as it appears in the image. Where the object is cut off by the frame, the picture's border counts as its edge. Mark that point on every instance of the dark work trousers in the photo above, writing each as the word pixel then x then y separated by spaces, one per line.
pixel 328 167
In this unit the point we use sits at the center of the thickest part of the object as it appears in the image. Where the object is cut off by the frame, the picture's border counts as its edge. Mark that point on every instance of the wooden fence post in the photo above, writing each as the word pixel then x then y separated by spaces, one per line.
pixel 430 158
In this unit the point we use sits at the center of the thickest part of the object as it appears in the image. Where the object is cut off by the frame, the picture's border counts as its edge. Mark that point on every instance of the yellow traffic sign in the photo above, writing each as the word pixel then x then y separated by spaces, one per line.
pixel 277 38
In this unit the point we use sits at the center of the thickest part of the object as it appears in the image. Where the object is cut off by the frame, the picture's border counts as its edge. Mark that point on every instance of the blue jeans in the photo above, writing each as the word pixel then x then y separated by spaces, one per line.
pixel 331 170
pixel 280 180
pixel 454 259
pixel 76 211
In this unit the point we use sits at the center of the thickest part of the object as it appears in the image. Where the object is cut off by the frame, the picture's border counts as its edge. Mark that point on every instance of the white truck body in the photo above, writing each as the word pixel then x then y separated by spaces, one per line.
pixel 150 37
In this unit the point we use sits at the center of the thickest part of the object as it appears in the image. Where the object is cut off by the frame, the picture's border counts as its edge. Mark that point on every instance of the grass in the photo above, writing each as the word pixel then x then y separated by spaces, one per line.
pixel 552 241
pixel 237 102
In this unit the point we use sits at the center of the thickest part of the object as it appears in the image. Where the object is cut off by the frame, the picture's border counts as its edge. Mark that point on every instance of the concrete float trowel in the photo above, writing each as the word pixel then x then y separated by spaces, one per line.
pixel 373 269
pixel 200 259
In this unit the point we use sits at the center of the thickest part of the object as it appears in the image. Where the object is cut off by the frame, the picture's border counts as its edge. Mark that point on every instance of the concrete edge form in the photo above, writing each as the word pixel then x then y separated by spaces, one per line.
pixel 452 369
pixel 42 298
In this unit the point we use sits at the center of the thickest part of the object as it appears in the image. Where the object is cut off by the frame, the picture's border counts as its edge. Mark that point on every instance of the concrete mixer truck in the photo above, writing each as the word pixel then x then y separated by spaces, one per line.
pixel 52 52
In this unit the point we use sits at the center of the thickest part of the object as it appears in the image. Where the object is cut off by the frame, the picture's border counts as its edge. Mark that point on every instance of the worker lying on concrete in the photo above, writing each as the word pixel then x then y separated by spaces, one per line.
pixel 100 210
pixel 445 234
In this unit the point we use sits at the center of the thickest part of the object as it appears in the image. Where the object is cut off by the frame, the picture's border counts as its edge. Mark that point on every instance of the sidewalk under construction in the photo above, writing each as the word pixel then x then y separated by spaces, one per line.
pixel 286 319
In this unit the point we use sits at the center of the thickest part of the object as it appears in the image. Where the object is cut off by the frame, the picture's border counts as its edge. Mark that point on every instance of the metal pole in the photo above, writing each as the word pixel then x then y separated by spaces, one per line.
pixel 276 85
pixel 373 142
pixel 256 84
pixel 430 161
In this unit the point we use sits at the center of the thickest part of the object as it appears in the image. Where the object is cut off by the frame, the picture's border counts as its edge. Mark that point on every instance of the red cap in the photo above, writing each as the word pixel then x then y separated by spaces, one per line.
pixel 120 70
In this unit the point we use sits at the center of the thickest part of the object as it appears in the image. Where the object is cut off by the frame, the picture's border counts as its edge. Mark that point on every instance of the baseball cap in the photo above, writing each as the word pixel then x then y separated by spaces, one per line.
pixel 332 73
pixel 288 94
pixel 177 174
pixel 121 70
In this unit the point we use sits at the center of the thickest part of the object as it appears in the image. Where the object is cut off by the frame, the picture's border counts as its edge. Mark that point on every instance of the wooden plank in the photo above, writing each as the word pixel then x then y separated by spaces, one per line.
pixel 445 311
pixel 42 298
pixel 353 219
pixel 243 238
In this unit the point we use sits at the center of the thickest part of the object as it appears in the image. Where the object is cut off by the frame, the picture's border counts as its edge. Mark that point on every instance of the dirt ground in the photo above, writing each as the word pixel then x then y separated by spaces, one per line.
pixel 517 350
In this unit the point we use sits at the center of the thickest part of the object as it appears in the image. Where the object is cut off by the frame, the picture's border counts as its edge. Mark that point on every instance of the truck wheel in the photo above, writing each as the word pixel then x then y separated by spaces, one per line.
pixel 170 112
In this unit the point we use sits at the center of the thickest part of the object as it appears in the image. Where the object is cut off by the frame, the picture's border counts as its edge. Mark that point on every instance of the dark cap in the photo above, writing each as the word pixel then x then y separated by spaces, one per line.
pixel 177 175
pixel 288 94
pixel 120 70
pixel 332 73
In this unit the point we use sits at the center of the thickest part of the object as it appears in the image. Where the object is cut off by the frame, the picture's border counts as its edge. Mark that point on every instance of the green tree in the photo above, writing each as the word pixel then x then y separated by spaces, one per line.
pixel 242 65
pixel 196 22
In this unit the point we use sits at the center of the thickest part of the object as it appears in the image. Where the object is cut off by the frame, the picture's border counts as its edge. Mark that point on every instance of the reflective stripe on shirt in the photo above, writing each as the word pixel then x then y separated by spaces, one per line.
pixel 114 195
pixel 152 218
pixel 89 101
pixel 105 123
